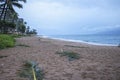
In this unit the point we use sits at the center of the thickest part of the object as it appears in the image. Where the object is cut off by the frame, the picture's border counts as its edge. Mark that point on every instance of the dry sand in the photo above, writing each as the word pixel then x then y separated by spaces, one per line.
pixel 95 63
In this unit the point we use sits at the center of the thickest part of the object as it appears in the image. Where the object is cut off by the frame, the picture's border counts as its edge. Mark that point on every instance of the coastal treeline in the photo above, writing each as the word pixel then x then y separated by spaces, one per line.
pixel 10 23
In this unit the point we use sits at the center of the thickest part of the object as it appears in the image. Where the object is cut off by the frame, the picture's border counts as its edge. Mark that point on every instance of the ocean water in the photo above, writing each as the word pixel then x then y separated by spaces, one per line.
pixel 100 39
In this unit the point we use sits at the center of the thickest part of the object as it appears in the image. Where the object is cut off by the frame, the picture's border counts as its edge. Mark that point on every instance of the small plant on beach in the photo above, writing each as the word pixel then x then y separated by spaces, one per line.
pixel 75 46
pixel 70 54
pixel 16 36
pixel 3 56
pixel 23 45
pixel 31 71
pixel 6 41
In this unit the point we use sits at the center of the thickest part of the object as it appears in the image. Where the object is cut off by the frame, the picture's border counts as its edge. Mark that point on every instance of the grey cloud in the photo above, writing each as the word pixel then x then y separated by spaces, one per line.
pixel 83 16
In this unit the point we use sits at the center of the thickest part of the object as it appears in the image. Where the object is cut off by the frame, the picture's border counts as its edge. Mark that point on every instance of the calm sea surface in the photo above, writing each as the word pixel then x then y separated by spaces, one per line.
pixel 98 39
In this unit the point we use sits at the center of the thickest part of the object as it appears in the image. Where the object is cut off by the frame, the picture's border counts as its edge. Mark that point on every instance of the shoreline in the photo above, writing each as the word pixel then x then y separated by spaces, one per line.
pixel 79 41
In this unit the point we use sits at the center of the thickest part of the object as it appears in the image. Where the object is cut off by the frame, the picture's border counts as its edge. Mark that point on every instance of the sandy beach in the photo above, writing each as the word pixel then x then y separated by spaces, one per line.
pixel 95 63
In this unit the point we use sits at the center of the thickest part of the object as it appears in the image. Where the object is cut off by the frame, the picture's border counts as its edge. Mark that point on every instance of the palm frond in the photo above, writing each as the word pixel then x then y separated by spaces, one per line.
pixel 11 8
pixel 2 0
pixel 23 1
pixel 2 4
pixel 17 5
pixel 20 0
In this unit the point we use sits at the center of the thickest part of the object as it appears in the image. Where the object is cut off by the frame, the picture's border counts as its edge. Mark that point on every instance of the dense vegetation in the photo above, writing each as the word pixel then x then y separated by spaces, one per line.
pixel 9 20
pixel 11 26
pixel 7 8
pixel 4 26
pixel 6 41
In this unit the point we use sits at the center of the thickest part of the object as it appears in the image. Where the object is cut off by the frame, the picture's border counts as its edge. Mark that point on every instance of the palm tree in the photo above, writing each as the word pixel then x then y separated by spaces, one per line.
pixel 8 5
pixel 2 7
pixel 14 17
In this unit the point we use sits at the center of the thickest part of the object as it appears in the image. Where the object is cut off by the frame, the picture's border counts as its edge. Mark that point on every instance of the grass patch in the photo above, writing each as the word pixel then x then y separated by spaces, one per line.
pixel 3 56
pixel 6 41
pixel 23 45
pixel 74 46
pixel 70 54
pixel 27 72
pixel 16 36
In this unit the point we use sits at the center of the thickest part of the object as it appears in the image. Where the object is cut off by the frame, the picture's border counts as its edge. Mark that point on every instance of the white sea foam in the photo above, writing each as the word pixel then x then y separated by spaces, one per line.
pixel 80 41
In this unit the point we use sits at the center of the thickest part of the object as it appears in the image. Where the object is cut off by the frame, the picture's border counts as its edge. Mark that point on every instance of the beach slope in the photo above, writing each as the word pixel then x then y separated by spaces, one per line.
pixel 94 63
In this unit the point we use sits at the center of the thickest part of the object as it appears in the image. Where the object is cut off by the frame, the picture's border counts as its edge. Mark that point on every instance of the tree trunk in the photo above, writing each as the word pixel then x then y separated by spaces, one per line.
pixel 3 10
pixel 13 18
pixel 5 13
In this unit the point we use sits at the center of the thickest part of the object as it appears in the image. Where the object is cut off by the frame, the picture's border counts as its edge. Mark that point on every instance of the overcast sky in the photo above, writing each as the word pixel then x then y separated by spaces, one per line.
pixel 71 16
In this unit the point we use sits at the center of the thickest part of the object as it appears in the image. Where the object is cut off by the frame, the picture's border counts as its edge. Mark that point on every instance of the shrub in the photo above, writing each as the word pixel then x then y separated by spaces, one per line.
pixel 23 45
pixel 6 41
pixel 3 56
pixel 16 36
pixel 71 55
pixel 27 71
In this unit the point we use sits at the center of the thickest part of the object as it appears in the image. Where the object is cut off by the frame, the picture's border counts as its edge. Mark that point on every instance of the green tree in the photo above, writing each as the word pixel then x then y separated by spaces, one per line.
pixel 22 28
pixel 14 17
pixel 8 5
pixel 34 31
pixel 6 26
pixel 28 30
